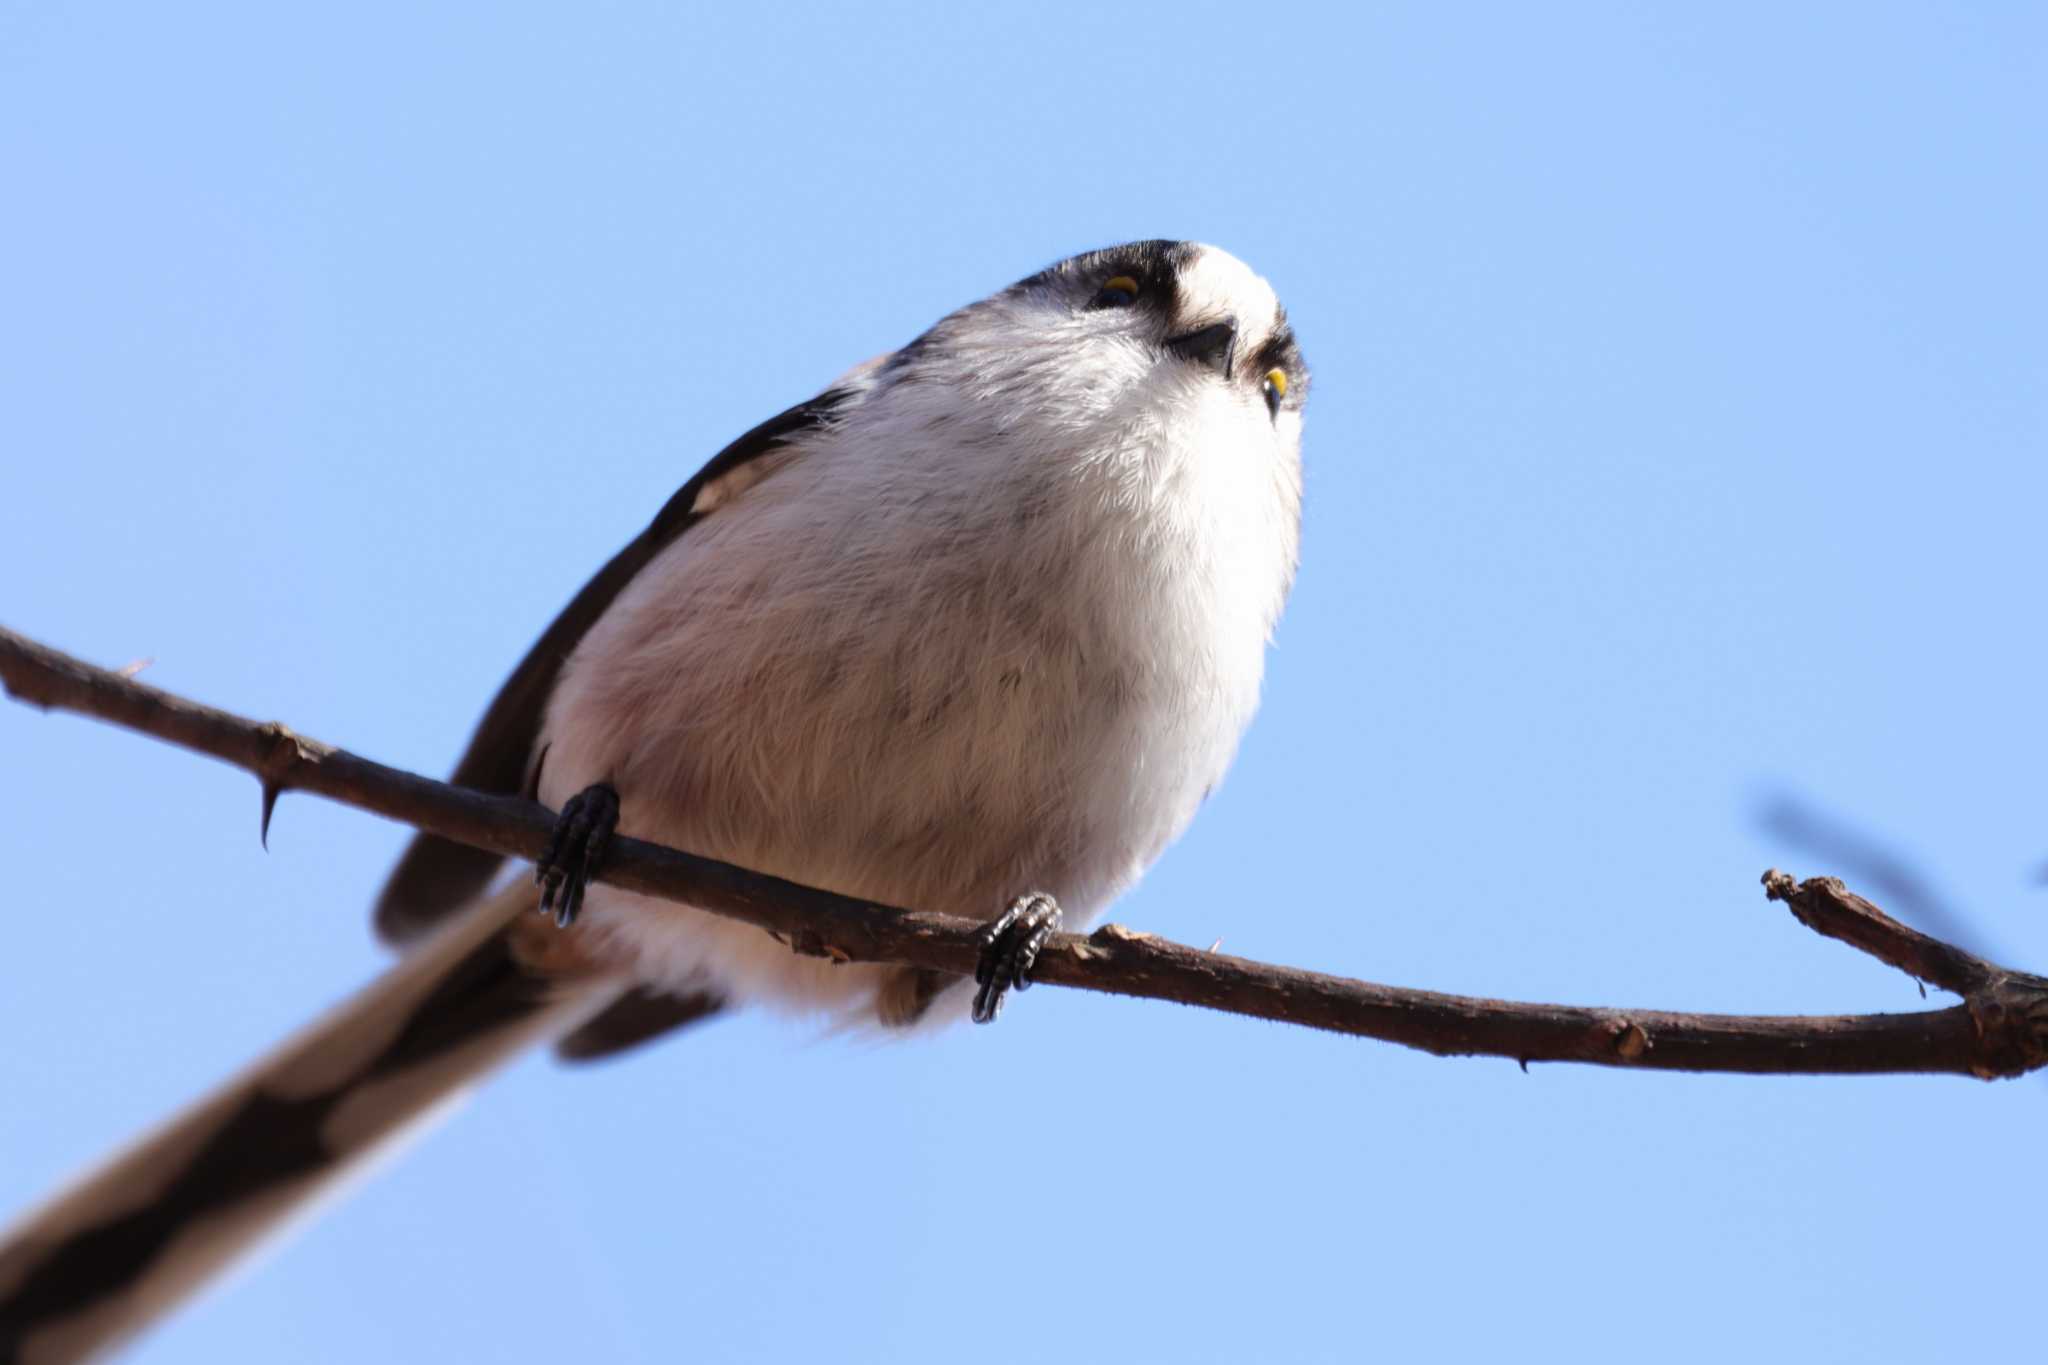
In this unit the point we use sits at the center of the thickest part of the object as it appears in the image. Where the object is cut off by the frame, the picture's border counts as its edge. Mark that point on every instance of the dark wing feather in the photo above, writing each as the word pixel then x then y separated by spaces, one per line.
pixel 435 877
pixel 634 1018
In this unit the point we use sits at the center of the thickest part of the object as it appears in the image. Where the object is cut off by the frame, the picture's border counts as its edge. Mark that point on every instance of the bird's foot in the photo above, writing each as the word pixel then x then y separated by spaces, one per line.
pixel 1009 949
pixel 583 831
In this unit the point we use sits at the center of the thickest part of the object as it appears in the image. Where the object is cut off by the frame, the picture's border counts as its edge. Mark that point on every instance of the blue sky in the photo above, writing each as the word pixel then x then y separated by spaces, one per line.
pixel 1677 444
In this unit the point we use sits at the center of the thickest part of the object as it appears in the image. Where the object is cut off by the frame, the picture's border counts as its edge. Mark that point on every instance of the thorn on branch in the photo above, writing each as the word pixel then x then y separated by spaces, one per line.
pixel 282 752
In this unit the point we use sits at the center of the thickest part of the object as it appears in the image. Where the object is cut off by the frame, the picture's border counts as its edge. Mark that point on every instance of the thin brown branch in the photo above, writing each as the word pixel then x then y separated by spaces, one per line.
pixel 2000 1029
pixel 1825 906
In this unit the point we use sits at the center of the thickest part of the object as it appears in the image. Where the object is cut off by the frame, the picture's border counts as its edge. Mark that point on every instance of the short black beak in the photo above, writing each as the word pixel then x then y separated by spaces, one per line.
pixel 1212 345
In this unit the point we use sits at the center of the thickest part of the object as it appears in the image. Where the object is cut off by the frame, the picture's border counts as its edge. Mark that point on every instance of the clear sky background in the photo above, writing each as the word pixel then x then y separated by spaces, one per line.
pixel 1679 444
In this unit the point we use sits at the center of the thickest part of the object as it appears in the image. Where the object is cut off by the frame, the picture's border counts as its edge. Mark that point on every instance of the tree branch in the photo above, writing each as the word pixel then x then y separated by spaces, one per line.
pixel 2000 1029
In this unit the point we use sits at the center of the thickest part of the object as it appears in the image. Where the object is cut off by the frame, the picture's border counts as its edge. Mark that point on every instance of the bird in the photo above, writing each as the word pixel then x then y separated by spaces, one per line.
pixel 975 630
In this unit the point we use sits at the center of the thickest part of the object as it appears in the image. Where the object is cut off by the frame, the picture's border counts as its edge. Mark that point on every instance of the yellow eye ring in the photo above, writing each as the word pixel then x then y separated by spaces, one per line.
pixel 1274 389
pixel 1118 291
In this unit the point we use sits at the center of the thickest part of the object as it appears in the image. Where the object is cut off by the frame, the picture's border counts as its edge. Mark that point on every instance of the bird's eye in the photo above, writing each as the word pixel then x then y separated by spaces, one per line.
pixel 1116 291
pixel 1275 389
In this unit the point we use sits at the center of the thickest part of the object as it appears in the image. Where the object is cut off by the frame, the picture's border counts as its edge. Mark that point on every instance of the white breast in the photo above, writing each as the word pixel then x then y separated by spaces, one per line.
pixel 932 664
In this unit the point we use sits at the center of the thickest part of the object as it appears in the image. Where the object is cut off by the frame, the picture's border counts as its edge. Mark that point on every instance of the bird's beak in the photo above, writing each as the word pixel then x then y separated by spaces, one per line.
pixel 1212 345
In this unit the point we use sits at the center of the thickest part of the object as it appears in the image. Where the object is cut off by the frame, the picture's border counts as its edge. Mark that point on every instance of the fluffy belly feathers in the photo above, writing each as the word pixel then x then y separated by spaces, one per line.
pixel 1045 716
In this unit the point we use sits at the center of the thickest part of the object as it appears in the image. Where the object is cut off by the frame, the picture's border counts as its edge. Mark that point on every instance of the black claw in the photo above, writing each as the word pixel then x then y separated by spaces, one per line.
pixel 600 838
pixel 572 903
pixel 575 848
pixel 1009 950
pixel 1027 958
pixel 271 791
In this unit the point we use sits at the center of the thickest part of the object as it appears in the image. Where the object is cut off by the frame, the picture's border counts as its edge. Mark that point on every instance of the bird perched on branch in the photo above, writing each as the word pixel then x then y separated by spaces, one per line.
pixel 974 630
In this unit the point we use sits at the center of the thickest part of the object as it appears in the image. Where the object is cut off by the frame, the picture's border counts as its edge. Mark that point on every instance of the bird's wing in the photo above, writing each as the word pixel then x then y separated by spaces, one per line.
pixel 437 877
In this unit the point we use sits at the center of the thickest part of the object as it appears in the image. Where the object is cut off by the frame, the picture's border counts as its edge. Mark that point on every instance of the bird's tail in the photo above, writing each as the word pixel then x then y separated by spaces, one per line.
pixel 133 1238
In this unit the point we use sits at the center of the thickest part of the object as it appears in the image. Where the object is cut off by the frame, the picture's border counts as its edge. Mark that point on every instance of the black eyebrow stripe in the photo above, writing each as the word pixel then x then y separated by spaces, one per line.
pixel 1279 351
pixel 1158 262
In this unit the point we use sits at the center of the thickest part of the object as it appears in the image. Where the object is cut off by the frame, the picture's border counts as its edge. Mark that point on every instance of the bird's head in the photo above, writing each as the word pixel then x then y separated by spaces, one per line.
pixel 1173 336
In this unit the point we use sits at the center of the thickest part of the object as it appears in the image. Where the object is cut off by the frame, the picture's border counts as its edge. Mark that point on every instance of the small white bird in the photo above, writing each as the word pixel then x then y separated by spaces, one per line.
pixel 975 630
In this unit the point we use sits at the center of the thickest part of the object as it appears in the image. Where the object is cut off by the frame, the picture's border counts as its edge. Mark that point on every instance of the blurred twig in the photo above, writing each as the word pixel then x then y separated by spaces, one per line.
pixel 1866 860
pixel 2000 1029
